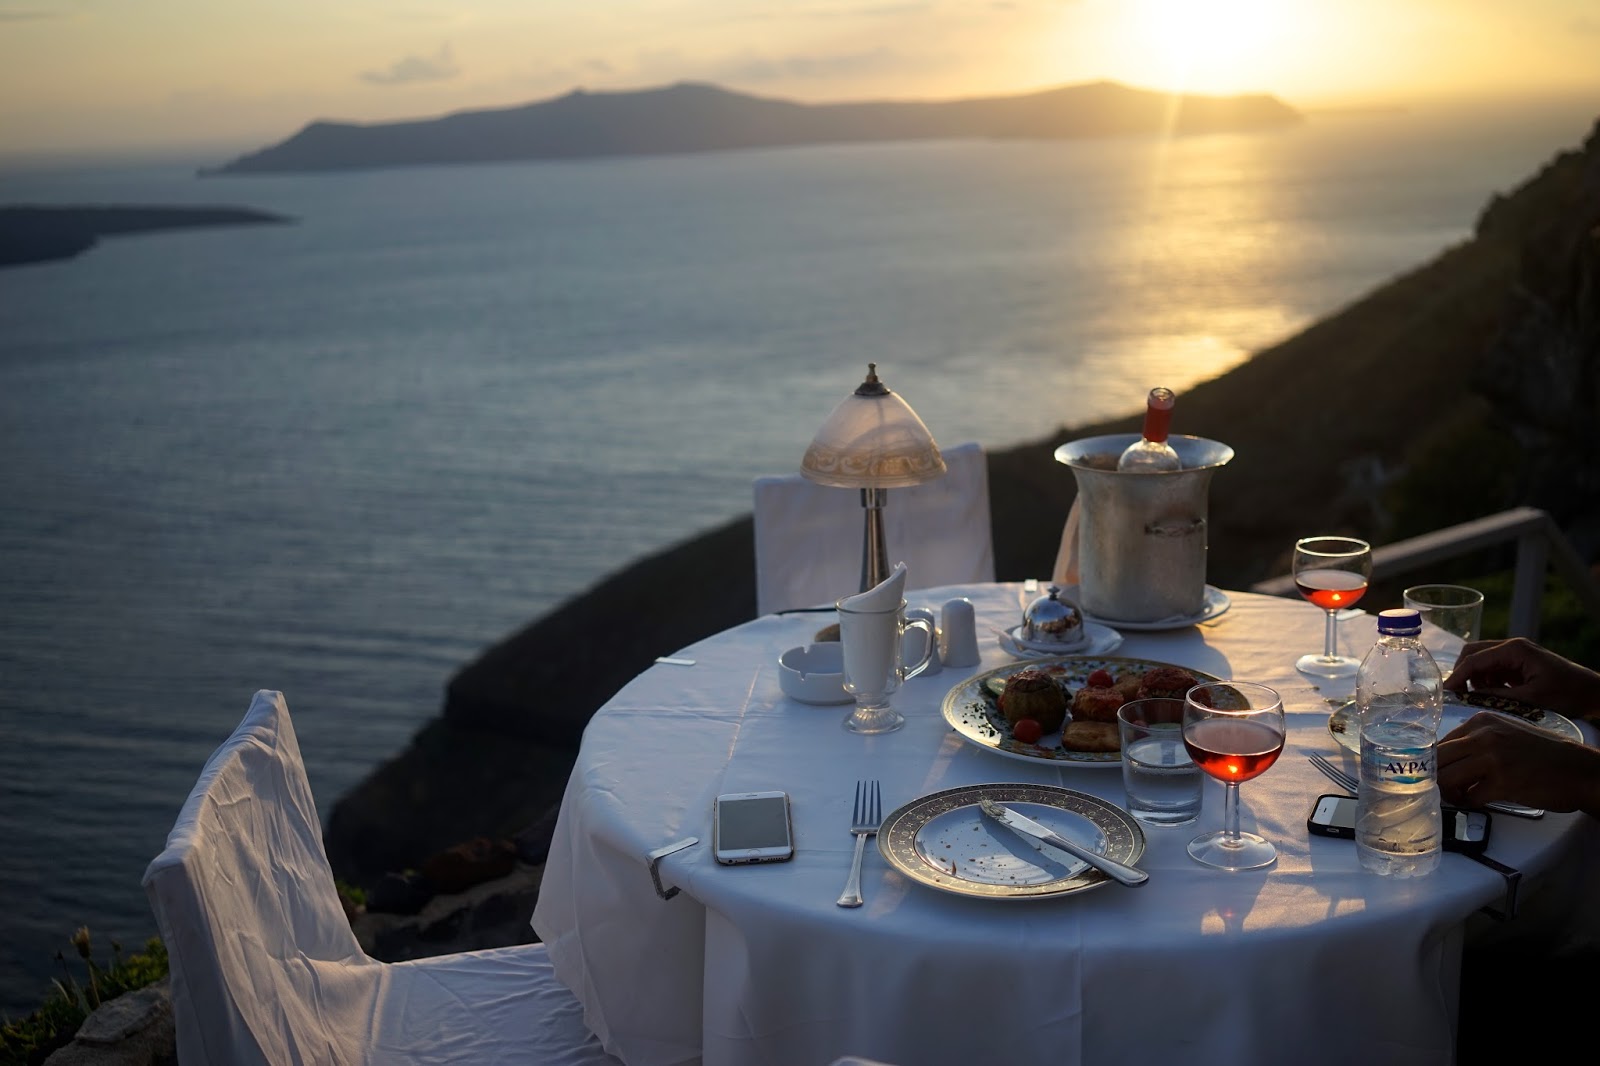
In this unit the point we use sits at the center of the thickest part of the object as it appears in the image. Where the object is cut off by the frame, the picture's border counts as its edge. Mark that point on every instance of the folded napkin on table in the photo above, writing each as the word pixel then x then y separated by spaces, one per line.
pixel 886 595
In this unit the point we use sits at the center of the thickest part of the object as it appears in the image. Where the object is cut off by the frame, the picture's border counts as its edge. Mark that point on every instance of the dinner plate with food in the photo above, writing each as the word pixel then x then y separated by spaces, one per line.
pixel 1061 709
pixel 1345 723
pixel 943 840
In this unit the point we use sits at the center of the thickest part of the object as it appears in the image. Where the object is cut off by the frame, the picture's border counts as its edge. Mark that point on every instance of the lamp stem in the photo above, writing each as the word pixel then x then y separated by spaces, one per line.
pixel 874 549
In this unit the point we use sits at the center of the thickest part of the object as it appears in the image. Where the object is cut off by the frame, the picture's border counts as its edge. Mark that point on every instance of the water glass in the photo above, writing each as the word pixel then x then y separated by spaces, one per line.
pixel 1452 616
pixel 1162 781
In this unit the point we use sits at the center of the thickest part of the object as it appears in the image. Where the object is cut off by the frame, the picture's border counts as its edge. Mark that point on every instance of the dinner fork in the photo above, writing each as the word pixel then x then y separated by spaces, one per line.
pixel 1349 784
pixel 863 824
pixel 1333 773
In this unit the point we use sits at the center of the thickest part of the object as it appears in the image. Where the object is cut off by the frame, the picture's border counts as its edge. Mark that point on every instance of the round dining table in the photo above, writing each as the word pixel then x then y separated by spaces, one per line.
pixel 1309 960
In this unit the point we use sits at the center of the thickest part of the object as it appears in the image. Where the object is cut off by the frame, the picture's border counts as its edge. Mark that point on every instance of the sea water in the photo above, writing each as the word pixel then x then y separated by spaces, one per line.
pixel 341 457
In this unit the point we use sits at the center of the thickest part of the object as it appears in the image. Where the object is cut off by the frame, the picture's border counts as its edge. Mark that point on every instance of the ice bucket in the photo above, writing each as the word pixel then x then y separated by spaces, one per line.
pixel 1141 537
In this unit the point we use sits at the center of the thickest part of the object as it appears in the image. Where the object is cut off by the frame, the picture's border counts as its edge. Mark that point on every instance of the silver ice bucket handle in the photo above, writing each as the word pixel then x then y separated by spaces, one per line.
pixel 1176 529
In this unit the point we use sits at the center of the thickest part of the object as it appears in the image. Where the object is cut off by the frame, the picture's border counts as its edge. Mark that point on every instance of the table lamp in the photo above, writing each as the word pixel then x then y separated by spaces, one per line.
pixel 873 441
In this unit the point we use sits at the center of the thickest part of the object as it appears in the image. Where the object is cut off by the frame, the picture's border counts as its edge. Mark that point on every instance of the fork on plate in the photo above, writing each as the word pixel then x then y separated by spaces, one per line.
pixel 1349 784
pixel 863 824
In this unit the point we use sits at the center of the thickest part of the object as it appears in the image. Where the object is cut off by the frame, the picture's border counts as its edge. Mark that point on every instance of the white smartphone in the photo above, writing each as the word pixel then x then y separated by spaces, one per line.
pixel 752 827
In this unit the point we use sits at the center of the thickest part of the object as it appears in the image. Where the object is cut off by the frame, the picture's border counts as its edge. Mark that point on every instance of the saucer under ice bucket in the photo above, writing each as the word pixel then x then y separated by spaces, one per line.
pixel 1141 537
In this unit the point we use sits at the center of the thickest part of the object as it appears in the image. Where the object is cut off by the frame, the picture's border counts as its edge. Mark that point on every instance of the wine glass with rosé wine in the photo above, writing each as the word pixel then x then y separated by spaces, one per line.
pixel 1234 732
pixel 1331 572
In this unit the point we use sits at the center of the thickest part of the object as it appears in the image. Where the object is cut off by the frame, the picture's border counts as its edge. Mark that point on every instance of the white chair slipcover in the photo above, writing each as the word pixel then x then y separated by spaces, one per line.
pixel 265 968
pixel 808 536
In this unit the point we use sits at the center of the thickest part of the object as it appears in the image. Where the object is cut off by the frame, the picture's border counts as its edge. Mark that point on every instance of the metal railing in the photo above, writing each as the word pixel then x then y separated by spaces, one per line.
pixel 1540 543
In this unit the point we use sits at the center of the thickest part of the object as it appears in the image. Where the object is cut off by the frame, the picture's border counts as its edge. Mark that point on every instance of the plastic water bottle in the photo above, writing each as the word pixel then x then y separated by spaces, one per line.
pixel 1399 830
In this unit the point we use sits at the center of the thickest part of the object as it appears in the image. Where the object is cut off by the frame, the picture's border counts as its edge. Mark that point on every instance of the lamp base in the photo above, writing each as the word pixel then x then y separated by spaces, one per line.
pixel 874 547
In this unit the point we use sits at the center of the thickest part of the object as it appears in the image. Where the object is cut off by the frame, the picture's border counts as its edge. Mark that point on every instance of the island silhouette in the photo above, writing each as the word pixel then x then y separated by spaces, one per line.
pixel 693 117
pixel 687 117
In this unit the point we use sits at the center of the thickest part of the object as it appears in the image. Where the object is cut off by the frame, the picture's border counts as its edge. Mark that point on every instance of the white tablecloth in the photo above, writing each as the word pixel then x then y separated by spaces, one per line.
pixel 1311 960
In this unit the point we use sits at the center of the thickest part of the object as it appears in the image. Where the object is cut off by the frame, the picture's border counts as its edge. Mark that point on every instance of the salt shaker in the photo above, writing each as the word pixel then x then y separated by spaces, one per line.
pixel 934 661
pixel 960 634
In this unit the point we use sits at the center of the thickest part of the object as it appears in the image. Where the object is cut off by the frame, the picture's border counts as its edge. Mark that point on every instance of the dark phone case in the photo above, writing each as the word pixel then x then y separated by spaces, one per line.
pixel 1466 847
pixel 1343 832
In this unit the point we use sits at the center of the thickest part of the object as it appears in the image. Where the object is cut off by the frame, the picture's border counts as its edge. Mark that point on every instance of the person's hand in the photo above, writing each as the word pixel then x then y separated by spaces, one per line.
pixel 1521 670
pixel 1492 757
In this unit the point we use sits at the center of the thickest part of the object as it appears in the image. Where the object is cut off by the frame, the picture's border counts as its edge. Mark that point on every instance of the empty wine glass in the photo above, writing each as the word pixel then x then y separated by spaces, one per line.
pixel 1234 732
pixel 1331 572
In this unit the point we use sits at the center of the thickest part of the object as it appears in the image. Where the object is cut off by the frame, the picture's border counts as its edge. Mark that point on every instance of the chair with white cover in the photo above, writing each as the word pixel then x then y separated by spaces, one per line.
pixel 265 968
pixel 808 536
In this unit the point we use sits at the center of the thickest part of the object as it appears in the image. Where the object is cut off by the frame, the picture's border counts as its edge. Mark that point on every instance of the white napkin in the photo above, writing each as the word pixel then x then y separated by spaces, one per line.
pixel 884 596
pixel 1066 569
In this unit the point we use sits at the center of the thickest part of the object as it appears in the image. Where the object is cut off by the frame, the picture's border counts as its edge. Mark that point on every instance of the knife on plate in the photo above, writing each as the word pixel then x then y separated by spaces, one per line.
pixel 1036 834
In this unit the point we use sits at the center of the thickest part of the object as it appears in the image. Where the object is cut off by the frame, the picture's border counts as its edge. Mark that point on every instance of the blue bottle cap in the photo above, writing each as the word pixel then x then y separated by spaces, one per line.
pixel 1399 622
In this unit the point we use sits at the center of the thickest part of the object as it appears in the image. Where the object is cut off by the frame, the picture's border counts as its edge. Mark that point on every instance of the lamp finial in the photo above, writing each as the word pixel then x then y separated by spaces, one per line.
pixel 872 386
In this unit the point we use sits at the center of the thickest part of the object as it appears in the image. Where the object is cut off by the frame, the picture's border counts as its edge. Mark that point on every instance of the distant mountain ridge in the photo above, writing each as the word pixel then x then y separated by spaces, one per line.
pixel 692 117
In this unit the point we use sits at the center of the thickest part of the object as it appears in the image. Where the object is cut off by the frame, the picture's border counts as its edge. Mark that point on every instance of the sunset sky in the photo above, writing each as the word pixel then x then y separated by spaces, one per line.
pixel 110 75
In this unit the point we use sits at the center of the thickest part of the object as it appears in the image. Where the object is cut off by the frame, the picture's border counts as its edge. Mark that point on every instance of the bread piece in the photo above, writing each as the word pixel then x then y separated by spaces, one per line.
pixel 1169 681
pixel 1091 736
pixel 1091 704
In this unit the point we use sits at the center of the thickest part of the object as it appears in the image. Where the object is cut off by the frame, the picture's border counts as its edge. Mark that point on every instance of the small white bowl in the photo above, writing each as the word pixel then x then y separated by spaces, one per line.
pixel 814 673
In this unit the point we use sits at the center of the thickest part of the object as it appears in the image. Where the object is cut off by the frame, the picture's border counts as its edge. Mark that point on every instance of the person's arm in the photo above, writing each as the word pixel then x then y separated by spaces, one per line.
pixel 1492 757
pixel 1521 670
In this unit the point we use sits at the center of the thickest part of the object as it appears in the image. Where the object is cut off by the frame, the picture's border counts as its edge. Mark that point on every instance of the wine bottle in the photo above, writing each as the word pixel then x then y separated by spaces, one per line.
pixel 1152 453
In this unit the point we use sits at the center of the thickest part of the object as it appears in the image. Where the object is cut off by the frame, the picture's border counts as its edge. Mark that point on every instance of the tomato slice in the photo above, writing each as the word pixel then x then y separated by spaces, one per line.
pixel 1100 678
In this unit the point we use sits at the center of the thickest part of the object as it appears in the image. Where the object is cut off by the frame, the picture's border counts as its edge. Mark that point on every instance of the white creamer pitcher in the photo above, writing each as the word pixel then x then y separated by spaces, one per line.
pixel 1141 536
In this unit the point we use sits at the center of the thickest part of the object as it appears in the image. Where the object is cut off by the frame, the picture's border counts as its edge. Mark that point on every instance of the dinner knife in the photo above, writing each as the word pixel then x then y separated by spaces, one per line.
pixel 1037 834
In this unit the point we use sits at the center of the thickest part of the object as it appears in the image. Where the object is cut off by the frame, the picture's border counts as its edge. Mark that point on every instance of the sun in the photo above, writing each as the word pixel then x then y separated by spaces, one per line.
pixel 1207 46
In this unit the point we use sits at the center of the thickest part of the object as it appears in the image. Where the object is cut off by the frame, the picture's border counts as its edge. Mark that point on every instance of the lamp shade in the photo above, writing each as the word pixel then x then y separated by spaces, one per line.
pixel 873 439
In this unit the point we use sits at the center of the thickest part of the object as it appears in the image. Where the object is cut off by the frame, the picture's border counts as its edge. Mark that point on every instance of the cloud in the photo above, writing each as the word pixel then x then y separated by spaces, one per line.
pixel 823 67
pixel 1584 26
pixel 877 10
pixel 30 16
pixel 441 66
pixel 417 14
pixel 829 11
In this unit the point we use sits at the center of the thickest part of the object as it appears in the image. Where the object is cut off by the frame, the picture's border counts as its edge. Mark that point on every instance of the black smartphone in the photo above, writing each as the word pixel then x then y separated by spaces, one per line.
pixel 1464 831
